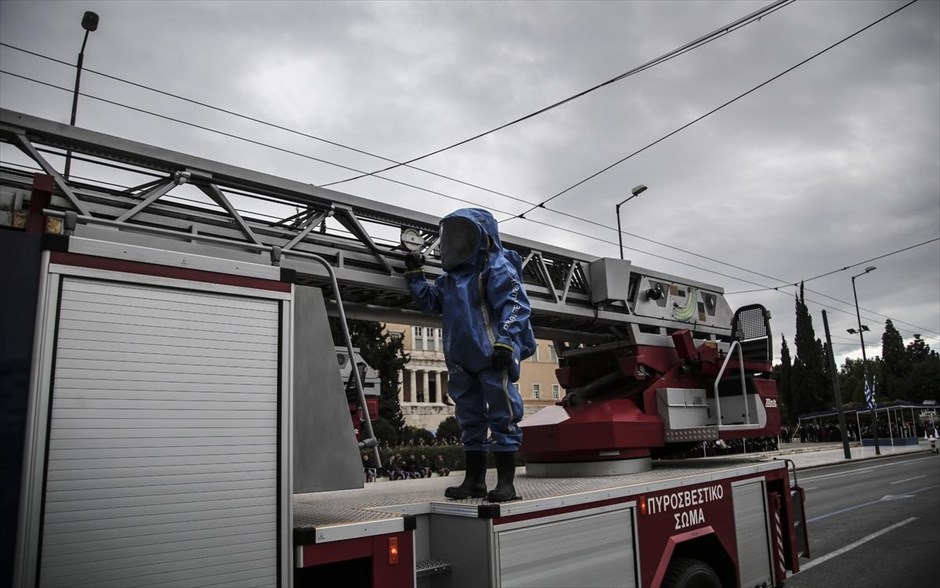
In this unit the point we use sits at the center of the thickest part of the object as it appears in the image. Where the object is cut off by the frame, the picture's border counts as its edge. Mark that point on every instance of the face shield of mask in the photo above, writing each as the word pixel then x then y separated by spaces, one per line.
pixel 460 240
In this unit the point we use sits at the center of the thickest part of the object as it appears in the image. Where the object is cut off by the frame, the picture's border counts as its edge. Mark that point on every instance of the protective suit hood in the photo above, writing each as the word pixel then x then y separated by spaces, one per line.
pixel 466 235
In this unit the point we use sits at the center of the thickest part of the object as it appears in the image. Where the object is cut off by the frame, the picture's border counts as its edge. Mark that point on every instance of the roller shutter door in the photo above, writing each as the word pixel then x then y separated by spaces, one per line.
pixel 588 550
pixel 750 525
pixel 162 456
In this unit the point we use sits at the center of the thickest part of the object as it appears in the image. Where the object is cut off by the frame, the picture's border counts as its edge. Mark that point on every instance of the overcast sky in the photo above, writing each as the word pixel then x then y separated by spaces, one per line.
pixel 833 164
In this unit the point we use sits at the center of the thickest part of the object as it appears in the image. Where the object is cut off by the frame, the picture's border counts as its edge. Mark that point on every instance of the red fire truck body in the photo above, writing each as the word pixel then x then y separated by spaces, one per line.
pixel 645 529
pixel 183 421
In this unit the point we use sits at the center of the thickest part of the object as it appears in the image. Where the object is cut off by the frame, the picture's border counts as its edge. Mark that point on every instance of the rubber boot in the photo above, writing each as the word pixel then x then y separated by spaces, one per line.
pixel 506 473
pixel 474 482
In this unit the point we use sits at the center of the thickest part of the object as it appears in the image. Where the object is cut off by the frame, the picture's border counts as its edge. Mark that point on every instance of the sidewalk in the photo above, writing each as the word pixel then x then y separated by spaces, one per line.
pixel 810 455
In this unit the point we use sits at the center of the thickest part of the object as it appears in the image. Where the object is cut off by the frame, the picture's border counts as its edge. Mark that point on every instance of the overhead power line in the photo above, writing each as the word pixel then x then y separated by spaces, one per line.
pixel 753 17
pixel 238 137
pixel 699 42
pixel 419 169
pixel 835 271
pixel 406 184
pixel 848 267
pixel 264 123
pixel 288 151
pixel 710 112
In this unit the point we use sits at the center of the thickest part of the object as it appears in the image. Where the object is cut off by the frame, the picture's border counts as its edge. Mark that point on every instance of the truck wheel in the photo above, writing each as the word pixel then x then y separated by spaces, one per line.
pixel 690 573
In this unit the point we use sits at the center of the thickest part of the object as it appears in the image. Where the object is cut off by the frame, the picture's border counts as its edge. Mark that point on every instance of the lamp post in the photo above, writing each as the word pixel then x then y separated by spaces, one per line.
pixel 633 194
pixel 89 23
pixel 861 338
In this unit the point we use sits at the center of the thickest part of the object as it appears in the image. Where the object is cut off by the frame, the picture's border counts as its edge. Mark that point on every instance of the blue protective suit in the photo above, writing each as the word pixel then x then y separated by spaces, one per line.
pixel 483 305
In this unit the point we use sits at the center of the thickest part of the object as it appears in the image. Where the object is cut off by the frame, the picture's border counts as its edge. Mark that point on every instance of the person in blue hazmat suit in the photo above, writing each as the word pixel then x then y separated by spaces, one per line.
pixel 485 312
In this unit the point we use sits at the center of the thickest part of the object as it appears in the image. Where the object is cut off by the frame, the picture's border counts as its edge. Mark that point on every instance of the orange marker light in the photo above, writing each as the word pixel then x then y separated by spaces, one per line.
pixel 393 551
pixel 642 505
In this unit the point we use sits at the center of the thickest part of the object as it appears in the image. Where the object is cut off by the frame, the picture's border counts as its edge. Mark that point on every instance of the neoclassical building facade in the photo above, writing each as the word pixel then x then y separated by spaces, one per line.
pixel 423 392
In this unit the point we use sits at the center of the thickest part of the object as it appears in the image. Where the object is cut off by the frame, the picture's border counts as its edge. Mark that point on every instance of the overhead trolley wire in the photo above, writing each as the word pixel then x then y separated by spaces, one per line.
pixel 542 205
pixel 709 113
pixel 699 42
pixel 273 125
pixel 267 124
pixel 238 137
pixel 262 144
pixel 835 271
pixel 848 267
pixel 593 237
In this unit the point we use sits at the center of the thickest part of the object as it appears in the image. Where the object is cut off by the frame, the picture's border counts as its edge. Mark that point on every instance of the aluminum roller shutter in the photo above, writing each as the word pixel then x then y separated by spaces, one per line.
pixel 584 550
pixel 162 457
pixel 752 531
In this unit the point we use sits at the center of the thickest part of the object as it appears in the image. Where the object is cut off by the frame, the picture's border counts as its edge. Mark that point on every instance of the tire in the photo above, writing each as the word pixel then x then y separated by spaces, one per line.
pixel 690 573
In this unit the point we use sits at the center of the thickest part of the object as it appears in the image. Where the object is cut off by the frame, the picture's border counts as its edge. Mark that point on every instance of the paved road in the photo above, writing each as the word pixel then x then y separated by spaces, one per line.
pixel 873 523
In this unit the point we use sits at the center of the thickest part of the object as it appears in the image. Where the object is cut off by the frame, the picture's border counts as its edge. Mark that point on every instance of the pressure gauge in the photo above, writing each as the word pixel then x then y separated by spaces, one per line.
pixel 411 240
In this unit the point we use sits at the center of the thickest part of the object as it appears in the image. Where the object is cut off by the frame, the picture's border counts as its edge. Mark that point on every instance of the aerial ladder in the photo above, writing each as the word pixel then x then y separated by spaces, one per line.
pixel 650 362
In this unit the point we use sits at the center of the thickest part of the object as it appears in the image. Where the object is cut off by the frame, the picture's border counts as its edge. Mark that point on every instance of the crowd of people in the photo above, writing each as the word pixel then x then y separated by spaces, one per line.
pixel 813 433
pixel 397 467
pixel 810 432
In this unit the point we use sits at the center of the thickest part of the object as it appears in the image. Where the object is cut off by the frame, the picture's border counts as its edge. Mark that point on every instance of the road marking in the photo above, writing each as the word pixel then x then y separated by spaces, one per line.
pixel 888 497
pixel 882 499
pixel 851 508
pixel 925 488
pixel 838 474
pixel 853 545
pixel 908 479
pixel 861 471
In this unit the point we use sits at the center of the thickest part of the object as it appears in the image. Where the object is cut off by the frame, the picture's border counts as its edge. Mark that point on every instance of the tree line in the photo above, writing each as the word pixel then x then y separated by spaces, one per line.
pixel 804 379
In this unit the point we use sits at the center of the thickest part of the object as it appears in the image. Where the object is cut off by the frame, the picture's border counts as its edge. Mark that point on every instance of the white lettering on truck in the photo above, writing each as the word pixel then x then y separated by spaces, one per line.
pixel 688 501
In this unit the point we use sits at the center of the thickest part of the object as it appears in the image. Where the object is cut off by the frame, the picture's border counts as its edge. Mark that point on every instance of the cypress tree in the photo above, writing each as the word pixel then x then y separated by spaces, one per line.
pixel 784 383
pixel 896 363
pixel 923 381
pixel 808 377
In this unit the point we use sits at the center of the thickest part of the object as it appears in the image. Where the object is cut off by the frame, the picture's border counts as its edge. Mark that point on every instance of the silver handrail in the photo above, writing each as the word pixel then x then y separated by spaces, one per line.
pixel 747 410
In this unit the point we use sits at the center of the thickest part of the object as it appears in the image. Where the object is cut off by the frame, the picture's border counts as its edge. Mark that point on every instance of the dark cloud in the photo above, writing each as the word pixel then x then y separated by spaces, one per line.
pixel 832 164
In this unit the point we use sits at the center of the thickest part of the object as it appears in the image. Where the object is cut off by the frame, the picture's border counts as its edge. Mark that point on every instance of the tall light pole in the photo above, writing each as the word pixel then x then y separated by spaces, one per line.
pixel 633 194
pixel 868 384
pixel 89 23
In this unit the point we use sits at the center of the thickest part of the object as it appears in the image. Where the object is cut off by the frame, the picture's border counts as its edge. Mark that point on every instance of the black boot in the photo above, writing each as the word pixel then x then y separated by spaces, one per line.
pixel 506 473
pixel 474 482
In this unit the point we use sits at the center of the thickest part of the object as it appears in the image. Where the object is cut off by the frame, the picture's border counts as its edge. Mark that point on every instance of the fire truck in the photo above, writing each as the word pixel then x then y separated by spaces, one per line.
pixel 179 419
pixel 368 379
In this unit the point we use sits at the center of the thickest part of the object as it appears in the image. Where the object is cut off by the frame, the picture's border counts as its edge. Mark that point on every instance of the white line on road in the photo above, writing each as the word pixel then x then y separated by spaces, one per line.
pixel 925 488
pixel 855 544
pixel 861 471
pixel 838 475
pixel 864 504
pixel 908 479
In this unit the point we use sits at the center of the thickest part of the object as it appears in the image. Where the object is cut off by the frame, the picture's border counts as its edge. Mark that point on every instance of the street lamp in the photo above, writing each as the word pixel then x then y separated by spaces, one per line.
pixel 868 384
pixel 633 194
pixel 89 23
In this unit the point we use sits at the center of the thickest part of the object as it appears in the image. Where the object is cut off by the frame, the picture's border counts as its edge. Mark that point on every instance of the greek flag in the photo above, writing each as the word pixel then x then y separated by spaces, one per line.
pixel 870 395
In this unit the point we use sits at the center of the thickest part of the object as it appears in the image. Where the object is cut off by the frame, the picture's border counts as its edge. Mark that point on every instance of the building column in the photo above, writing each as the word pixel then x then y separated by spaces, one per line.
pixel 412 388
pixel 438 396
pixel 424 384
pixel 401 386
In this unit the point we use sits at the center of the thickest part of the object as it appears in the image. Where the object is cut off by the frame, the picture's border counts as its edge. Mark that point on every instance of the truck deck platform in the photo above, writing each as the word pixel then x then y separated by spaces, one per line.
pixel 382 507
